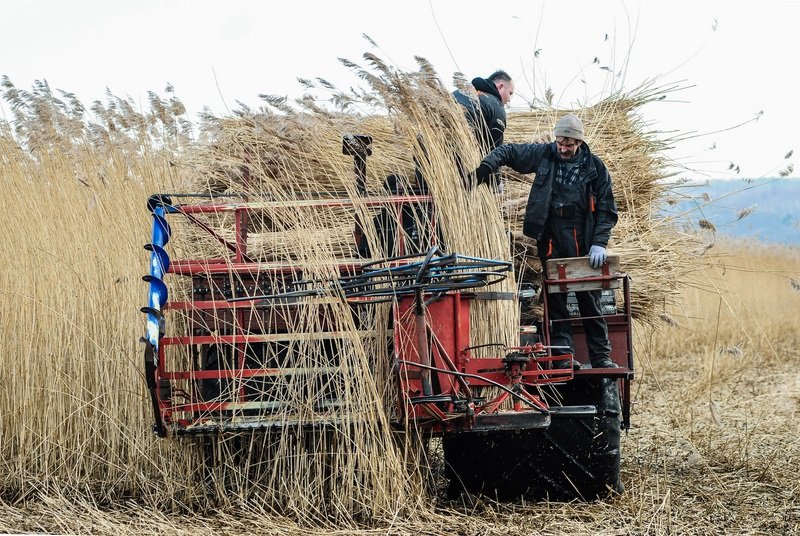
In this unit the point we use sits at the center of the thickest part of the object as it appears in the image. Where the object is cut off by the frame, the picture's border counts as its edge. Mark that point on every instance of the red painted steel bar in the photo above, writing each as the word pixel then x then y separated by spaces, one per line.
pixel 303 203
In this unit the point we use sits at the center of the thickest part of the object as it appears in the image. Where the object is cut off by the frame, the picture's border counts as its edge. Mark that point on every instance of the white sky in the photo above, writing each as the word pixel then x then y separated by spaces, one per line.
pixel 739 58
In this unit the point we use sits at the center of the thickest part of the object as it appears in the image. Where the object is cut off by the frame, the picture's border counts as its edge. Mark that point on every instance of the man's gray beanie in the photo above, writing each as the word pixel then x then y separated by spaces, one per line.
pixel 569 126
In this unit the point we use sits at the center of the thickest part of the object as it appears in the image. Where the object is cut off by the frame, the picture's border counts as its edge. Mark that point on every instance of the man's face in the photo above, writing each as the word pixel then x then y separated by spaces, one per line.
pixel 567 147
pixel 506 90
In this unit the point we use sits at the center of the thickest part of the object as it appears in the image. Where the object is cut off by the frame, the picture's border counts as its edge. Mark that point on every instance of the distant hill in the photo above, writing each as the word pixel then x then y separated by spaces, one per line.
pixel 764 209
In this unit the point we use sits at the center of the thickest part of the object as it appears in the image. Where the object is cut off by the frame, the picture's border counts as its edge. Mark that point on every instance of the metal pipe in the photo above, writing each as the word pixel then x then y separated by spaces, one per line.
pixel 422 343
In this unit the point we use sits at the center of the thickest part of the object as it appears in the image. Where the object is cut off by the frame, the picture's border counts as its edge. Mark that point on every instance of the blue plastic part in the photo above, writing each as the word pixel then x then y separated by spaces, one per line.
pixel 158 295
pixel 159 260
pixel 161 230
pixel 155 326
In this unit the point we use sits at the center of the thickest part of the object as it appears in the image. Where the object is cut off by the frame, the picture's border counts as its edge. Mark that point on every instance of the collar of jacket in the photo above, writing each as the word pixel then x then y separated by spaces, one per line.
pixel 485 86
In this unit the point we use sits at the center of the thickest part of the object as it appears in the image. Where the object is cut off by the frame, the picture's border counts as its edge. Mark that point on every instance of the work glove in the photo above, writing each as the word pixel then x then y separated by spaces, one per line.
pixel 597 256
pixel 482 173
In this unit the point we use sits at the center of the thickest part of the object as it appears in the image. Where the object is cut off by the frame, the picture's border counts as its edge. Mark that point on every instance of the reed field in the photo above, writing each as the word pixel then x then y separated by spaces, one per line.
pixel 715 430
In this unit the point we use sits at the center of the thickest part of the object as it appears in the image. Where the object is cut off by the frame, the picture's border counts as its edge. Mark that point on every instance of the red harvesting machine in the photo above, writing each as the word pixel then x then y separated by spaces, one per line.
pixel 223 356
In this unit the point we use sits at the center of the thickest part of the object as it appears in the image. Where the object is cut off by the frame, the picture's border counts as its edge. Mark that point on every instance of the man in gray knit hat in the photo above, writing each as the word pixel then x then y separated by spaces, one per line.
pixel 570 213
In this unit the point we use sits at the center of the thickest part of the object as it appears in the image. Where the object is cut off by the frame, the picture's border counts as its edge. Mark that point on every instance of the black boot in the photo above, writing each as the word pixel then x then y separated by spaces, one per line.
pixel 604 362
pixel 565 364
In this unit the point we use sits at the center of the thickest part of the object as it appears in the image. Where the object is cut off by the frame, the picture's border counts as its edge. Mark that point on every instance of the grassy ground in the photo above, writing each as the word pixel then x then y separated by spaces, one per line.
pixel 713 450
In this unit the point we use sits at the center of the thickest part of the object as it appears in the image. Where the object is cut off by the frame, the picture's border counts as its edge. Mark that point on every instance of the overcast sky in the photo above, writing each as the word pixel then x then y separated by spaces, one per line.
pixel 734 59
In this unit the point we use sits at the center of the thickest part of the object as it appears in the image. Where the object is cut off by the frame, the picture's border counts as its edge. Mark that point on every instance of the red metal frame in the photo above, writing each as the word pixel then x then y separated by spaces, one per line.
pixel 446 324
pixel 438 378
pixel 175 403
pixel 458 373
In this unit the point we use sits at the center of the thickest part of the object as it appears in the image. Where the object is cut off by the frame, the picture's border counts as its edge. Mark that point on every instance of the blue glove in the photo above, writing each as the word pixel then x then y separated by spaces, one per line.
pixel 597 256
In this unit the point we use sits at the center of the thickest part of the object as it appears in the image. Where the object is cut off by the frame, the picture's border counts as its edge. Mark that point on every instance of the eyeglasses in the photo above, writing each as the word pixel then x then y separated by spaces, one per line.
pixel 562 142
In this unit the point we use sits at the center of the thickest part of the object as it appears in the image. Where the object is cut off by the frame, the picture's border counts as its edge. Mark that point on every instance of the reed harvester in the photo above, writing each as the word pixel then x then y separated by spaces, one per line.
pixel 510 425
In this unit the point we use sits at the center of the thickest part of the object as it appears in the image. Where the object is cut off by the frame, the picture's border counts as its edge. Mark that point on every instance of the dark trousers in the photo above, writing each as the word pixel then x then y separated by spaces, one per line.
pixel 564 237
pixel 596 328
pixel 561 327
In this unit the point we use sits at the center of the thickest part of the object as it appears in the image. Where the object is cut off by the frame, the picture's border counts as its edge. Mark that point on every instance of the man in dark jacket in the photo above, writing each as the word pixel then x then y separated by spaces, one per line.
pixel 570 213
pixel 487 115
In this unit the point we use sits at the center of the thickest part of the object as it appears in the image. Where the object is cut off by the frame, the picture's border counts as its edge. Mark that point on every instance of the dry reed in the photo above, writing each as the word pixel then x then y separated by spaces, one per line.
pixel 76 418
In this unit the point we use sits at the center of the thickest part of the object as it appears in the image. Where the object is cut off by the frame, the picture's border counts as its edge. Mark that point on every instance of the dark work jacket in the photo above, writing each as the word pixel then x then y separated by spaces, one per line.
pixel 487 116
pixel 592 195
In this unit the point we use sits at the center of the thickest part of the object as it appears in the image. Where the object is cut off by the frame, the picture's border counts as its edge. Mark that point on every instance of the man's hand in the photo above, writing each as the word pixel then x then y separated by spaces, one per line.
pixel 482 173
pixel 597 256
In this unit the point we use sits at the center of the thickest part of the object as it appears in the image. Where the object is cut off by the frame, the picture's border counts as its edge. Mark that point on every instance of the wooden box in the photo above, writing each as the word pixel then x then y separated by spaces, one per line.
pixel 561 271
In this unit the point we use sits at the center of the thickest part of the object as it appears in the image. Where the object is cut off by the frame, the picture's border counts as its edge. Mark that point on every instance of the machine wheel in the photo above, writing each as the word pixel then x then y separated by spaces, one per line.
pixel 573 459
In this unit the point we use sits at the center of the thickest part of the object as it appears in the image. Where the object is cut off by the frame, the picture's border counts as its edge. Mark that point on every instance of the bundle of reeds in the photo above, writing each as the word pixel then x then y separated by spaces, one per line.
pixel 651 249
pixel 423 132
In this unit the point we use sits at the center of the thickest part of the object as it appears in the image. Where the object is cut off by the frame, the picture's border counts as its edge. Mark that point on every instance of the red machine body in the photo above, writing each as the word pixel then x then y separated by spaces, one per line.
pixel 436 374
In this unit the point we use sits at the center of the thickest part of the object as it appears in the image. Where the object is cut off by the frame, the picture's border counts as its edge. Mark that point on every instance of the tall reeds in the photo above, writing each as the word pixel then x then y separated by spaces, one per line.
pixel 73 418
